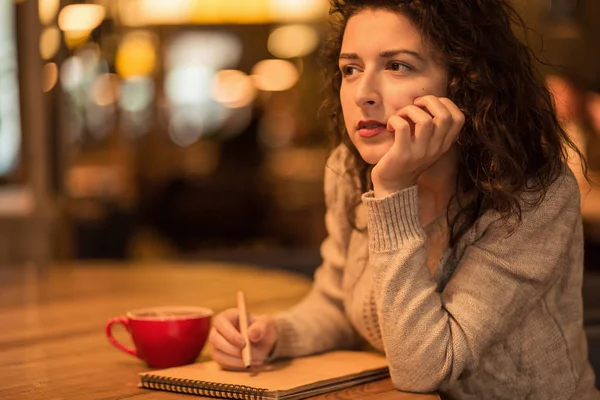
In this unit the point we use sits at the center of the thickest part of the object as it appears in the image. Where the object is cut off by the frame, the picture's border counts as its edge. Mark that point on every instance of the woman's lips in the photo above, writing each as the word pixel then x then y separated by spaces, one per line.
pixel 367 129
pixel 370 132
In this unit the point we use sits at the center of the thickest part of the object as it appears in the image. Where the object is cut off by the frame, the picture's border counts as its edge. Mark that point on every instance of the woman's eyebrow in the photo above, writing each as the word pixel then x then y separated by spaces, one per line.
pixel 348 56
pixel 384 54
pixel 392 53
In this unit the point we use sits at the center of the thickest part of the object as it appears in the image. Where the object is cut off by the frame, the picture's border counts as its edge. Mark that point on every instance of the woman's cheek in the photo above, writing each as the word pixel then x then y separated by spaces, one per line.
pixel 399 98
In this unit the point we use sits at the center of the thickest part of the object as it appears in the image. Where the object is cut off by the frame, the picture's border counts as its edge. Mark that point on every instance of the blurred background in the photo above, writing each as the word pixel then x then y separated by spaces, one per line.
pixel 154 129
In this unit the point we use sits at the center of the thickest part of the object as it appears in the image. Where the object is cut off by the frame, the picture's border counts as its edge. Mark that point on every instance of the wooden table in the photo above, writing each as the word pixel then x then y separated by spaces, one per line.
pixel 52 342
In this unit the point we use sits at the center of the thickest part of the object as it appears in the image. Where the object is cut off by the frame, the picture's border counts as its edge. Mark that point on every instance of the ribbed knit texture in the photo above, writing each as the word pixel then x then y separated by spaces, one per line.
pixel 501 320
pixel 393 220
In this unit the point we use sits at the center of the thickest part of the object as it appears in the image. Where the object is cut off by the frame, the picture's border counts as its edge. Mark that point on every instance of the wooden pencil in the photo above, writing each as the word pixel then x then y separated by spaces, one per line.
pixel 243 318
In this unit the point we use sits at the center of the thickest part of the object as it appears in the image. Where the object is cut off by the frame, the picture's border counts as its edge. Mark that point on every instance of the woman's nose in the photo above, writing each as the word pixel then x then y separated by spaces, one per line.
pixel 367 92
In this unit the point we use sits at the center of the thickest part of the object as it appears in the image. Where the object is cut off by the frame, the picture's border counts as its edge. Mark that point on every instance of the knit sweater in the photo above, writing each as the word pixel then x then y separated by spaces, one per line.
pixel 497 317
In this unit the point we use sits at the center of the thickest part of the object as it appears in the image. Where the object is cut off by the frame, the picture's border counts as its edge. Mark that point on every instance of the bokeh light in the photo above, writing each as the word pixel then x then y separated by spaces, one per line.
pixel 293 41
pixel 47 10
pixel 105 89
pixel 74 39
pixel 215 50
pixel 188 85
pixel 89 55
pixel 136 94
pixel 49 42
pixel 71 73
pixel 192 61
pixel 154 12
pixel 230 12
pixel 49 76
pixel 233 88
pixel 189 123
pixel 81 17
pixel 299 10
pixel 136 55
pixel 186 126
pixel 178 12
pixel 275 75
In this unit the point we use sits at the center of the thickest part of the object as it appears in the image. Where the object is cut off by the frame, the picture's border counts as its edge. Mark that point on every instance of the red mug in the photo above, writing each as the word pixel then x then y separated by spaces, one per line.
pixel 164 336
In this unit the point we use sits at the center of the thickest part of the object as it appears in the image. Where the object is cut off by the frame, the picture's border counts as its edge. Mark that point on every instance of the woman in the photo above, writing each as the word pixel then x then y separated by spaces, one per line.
pixel 454 231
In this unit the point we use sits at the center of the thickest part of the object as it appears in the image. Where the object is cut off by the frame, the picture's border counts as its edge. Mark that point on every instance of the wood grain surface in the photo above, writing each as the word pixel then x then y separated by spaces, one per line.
pixel 52 341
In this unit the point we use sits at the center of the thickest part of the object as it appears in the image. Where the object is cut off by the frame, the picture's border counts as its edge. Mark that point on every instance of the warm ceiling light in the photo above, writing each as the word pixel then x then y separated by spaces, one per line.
pixel 81 17
pixel 231 12
pixel 154 12
pixel 177 12
pixel 298 10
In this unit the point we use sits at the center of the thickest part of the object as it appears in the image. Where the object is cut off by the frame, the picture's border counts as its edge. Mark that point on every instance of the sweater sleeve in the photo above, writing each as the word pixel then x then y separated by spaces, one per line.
pixel 319 323
pixel 431 338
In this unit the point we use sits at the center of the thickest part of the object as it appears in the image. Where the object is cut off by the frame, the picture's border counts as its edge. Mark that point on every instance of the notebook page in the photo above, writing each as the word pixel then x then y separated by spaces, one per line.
pixel 283 375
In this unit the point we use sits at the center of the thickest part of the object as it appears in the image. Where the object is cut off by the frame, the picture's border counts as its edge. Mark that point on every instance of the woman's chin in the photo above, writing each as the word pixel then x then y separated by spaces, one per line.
pixel 372 156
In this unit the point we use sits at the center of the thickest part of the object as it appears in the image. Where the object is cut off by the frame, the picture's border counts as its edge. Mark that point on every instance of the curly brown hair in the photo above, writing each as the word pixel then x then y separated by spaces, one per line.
pixel 511 141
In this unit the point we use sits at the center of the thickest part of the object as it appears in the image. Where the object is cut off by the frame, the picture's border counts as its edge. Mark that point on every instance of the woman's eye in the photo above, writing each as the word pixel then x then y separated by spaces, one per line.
pixel 399 67
pixel 348 70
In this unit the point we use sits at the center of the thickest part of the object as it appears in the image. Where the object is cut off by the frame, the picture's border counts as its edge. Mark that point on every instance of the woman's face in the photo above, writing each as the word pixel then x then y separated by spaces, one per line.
pixel 385 65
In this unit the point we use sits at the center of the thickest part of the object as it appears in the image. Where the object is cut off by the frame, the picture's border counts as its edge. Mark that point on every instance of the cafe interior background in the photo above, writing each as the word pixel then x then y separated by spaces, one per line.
pixel 190 129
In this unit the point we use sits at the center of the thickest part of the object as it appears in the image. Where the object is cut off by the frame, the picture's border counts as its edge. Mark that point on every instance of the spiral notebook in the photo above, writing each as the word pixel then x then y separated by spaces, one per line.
pixel 290 379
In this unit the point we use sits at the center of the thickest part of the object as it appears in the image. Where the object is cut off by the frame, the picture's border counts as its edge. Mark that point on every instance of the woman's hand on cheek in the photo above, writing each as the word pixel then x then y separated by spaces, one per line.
pixel 423 132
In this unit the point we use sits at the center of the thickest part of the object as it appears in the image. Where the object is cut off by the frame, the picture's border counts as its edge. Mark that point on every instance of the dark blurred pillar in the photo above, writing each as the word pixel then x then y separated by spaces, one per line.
pixel 27 235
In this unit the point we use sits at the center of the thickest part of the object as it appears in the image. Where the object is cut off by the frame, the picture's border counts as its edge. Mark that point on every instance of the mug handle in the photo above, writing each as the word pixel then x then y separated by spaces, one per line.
pixel 109 325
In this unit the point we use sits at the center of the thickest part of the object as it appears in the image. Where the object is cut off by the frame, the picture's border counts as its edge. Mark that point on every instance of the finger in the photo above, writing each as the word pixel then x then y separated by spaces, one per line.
pixel 260 353
pixel 258 329
pixel 424 128
pixel 458 117
pixel 458 121
pixel 442 118
pixel 231 362
pixel 227 361
pixel 220 343
pixel 223 324
pixel 402 136
pixel 422 119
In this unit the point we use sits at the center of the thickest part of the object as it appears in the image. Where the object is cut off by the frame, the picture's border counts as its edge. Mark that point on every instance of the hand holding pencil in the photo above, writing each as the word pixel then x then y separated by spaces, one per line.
pixel 239 342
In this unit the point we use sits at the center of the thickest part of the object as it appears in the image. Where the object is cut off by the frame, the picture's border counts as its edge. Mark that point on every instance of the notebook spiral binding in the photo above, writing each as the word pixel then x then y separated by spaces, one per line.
pixel 202 388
